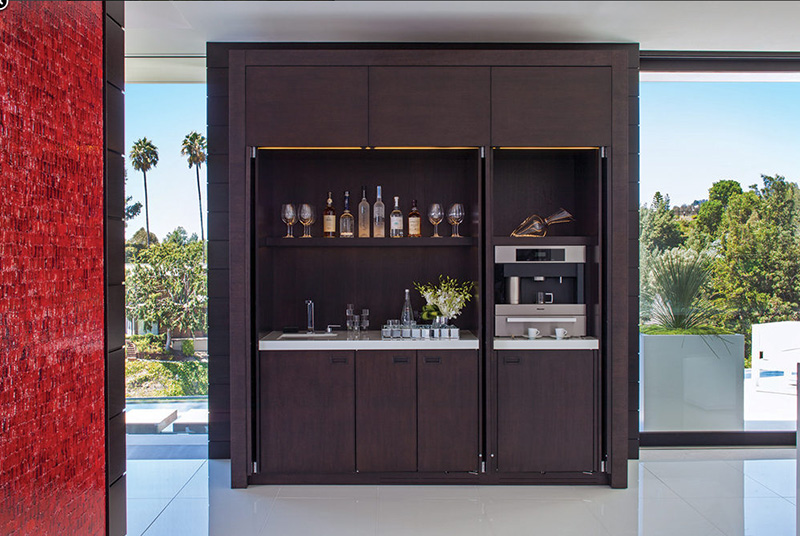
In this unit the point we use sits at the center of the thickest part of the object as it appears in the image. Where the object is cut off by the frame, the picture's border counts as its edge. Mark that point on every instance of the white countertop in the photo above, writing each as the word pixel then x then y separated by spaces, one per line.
pixel 369 340
pixel 546 343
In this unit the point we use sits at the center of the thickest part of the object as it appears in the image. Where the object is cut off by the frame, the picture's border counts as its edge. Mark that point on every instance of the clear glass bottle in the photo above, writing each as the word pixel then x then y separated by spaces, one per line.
pixel 396 220
pixel 363 215
pixel 414 221
pixel 347 222
pixel 329 219
pixel 407 314
pixel 379 217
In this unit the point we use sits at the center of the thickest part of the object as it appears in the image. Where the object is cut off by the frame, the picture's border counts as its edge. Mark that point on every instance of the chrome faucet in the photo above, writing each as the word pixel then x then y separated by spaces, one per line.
pixel 310 311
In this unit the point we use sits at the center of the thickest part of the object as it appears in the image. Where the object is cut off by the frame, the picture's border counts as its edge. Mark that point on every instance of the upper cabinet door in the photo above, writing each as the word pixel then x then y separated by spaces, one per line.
pixel 428 106
pixel 551 106
pixel 306 106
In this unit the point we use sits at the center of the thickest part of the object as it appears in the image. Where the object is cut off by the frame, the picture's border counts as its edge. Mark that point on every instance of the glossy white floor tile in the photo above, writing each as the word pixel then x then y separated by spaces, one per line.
pixel 728 492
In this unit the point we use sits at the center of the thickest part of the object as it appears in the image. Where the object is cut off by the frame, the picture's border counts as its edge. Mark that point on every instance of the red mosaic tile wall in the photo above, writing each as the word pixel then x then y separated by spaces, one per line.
pixel 52 431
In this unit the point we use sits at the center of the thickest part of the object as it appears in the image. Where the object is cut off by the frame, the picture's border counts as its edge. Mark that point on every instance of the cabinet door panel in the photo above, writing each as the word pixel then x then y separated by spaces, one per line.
pixel 428 106
pixel 306 106
pixel 546 411
pixel 307 417
pixel 447 383
pixel 386 411
pixel 551 106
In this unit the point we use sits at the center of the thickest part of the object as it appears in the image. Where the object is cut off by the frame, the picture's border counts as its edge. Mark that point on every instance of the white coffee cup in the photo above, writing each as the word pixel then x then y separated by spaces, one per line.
pixel 561 333
pixel 534 333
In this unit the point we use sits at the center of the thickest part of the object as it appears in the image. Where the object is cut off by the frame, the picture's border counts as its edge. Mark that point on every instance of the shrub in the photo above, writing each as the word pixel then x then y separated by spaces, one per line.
pixel 146 378
pixel 187 347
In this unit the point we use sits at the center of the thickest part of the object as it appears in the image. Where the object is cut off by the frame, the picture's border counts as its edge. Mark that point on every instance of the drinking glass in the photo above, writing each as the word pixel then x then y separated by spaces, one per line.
pixel 289 217
pixel 306 218
pixel 435 216
pixel 455 215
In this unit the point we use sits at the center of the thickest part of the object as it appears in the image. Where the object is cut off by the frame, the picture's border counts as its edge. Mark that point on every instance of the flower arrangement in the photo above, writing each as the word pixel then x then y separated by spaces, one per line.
pixel 445 299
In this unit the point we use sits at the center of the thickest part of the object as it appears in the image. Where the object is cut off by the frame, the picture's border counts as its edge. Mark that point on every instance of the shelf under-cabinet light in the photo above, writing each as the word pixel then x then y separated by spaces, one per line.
pixel 546 148
pixel 381 148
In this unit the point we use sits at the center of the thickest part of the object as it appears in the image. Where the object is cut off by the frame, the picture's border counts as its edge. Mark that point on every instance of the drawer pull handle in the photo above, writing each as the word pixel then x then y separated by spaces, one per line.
pixel 398 359
pixel 511 360
pixel 433 360
pixel 339 360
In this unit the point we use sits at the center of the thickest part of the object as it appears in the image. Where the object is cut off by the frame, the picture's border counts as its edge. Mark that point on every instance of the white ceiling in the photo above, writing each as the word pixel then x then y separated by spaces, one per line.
pixel 182 28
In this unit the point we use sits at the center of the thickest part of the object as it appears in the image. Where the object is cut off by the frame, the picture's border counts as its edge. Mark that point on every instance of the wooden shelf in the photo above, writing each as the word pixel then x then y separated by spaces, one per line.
pixel 445 241
pixel 545 241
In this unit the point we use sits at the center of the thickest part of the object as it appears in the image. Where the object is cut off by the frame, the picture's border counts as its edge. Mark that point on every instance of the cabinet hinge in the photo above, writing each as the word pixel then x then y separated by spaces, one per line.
pixel 483 152
pixel 252 152
pixel 603 152
pixel 602 466
pixel 255 467
pixel 483 467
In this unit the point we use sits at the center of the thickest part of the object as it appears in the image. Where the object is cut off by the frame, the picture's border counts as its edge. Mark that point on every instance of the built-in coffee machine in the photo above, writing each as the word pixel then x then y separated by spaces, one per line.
pixel 540 287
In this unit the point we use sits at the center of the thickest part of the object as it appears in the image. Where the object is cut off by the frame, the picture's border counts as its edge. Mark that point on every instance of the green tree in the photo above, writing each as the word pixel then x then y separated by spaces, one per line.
pixel 756 277
pixel 180 237
pixel 194 148
pixel 167 287
pixel 723 191
pixel 709 217
pixel 137 243
pixel 144 157
pixel 658 228
pixel 131 209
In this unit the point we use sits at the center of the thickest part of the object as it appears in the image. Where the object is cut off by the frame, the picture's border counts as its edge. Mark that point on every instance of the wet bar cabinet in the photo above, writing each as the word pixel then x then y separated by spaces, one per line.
pixel 505 130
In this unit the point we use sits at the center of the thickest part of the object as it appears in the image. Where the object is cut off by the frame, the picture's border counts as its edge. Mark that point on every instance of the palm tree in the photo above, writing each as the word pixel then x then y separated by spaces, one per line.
pixel 144 156
pixel 194 148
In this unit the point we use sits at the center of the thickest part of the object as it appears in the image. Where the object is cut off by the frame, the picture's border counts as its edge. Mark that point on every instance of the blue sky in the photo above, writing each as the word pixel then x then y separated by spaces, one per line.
pixel 165 114
pixel 693 134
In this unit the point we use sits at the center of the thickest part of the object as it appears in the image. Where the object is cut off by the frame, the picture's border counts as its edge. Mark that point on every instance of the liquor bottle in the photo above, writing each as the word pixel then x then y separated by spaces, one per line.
pixel 396 220
pixel 407 314
pixel 379 217
pixel 347 222
pixel 329 219
pixel 414 221
pixel 363 215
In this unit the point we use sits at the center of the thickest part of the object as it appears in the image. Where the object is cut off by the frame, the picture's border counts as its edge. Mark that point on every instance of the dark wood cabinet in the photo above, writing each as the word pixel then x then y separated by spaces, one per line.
pixel 506 130
pixel 447 410
pixel 428 106
pixel 306 106
pixel 386 411
pixel 547 411
pixel 307 412
pixel 551 106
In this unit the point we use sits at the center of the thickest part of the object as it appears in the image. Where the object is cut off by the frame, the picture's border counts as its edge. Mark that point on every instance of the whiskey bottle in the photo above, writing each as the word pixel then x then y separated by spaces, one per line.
pixel 396 220
pixel 414 221
pixel 363 215
pixel 347 222
pixel 379 217
pixel 329 219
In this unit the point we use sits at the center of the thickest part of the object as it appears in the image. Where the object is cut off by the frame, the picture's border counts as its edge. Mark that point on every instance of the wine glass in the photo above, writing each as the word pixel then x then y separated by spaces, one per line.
pixel 435 216
pixel 289 217
pixel 455 215
pixel 306 218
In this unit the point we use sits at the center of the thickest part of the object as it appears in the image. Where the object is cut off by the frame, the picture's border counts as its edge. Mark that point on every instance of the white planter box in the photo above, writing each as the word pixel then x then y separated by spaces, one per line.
pixel 691 382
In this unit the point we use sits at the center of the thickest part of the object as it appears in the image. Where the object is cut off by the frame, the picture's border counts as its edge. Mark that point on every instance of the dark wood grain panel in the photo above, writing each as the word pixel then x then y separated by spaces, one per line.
pixel 526 182
pixel 428 106
pixel 551 106
pixel 386 411
pixel 306 106
pixel 447 399
pixel 546 411
pixel 308 422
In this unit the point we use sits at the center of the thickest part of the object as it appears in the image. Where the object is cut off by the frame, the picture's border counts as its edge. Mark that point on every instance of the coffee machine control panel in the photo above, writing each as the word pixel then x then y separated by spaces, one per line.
pixel 551 254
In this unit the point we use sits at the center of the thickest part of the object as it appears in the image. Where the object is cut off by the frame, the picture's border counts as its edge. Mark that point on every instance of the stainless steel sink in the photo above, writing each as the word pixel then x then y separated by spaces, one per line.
pixel 308 336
